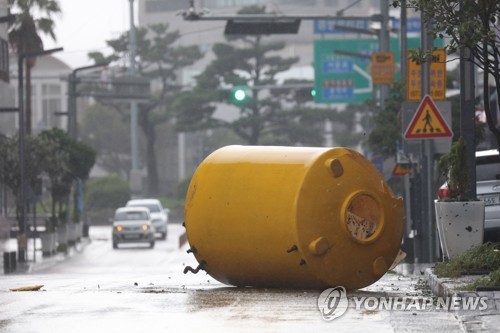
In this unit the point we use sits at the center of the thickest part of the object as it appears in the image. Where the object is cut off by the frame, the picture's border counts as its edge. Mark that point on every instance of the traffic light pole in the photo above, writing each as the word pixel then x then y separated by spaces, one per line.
pixel 268 19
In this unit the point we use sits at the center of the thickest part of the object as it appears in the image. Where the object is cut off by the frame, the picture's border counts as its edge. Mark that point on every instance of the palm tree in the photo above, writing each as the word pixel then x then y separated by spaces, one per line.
pixel 24 35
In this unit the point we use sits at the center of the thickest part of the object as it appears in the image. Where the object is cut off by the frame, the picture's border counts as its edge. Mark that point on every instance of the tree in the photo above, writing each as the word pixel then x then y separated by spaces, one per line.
pixel 469 25
pixel 81 161
pixel 9 164
pixel 387 127
pixel 107 193
pixel 160 60
pixel 105 129
pixel 32 18
pixel 57 168
pixel 266 115
pixel 64 160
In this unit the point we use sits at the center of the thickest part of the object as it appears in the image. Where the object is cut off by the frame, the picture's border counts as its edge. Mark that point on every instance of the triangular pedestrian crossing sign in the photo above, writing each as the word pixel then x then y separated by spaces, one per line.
pixel 427 123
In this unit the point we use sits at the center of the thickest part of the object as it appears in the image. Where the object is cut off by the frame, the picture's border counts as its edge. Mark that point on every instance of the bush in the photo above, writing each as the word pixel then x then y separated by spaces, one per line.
pixel 484 257
pixel 490 280
pixel 106 193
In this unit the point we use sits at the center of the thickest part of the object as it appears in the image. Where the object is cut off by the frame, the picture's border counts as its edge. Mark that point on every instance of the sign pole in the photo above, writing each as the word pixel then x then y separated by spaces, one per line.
pixel 427 124
pixel 428 217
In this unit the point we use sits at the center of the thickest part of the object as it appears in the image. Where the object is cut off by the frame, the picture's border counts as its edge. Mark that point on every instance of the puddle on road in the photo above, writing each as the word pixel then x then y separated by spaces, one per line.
pixel 234 297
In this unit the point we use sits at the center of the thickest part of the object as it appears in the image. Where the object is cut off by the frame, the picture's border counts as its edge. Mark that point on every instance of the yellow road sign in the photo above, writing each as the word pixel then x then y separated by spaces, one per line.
pixel 383 68
pixel 437 78
pixel 427 123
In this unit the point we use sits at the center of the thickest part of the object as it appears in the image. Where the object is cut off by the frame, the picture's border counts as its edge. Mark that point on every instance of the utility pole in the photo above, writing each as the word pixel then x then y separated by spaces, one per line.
pixel 383 40
pixel 428 240
pixel 467 114
pixel 135 181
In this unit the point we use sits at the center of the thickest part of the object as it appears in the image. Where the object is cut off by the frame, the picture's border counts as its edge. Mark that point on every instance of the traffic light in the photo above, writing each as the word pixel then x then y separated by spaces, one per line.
pixel 240 95
pixel 303 95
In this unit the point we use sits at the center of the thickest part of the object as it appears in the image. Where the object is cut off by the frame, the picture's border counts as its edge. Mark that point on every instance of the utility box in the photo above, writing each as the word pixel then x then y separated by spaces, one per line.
pixel 292 217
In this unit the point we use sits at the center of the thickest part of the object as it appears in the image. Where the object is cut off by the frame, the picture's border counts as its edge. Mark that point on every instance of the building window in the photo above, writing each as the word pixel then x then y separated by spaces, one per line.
pixel 153 6
pixel 51 103
pixel 4 60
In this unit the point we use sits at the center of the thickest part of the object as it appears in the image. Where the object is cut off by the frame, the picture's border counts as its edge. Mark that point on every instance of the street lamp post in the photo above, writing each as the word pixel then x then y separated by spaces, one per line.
pixel 73 125
pixel 21 237
pixel 72 94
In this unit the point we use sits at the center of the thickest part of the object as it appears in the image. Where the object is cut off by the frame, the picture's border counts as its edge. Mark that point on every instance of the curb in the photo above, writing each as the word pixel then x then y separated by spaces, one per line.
pixel 47 262
pixel 471 320
pixel 60 257
pixel 439 286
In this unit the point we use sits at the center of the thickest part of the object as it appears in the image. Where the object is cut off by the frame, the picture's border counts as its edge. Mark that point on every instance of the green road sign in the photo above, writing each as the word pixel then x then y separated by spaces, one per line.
pixel 342 68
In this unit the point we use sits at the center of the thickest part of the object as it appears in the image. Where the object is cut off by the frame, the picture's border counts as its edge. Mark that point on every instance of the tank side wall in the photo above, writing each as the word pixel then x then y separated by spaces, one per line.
pixel 240 213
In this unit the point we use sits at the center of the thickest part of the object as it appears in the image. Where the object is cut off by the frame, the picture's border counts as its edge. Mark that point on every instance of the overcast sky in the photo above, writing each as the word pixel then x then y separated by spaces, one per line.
pixel 85 25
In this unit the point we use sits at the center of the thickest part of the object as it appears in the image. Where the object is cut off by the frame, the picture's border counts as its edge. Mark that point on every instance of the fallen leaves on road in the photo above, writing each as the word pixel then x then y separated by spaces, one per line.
pixel 28 288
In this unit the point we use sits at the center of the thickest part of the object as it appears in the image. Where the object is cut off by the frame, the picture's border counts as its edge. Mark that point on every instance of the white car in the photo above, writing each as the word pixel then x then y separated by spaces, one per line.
pixel 133 225
pixel 159 215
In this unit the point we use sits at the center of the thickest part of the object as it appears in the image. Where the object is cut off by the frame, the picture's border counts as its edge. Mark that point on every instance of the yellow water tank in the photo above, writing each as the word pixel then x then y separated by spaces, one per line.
pixel 292 217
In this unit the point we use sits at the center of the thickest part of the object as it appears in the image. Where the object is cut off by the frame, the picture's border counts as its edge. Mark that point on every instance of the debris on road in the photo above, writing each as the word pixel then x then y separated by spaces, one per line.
pixel 28 288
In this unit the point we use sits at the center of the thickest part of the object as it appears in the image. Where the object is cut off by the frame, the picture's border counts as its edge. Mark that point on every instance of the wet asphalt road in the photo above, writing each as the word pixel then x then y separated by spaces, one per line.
pixel 137 289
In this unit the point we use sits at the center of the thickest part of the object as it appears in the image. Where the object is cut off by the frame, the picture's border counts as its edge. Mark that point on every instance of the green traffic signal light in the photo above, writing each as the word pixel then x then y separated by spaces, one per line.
pixel 239 95
pixel 313 92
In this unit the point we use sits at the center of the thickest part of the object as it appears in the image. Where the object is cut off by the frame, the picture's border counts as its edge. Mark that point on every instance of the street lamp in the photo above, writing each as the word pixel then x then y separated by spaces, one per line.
pixel 21 237
pixel 72 94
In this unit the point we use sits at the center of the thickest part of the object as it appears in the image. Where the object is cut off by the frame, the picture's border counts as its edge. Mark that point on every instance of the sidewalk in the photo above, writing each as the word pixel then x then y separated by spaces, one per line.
pixel 472 320
pixel 36 261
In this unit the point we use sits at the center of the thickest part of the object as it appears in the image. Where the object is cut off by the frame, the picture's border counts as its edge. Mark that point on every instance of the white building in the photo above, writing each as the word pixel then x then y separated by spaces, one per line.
pixel 6 92
pixel 48 92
